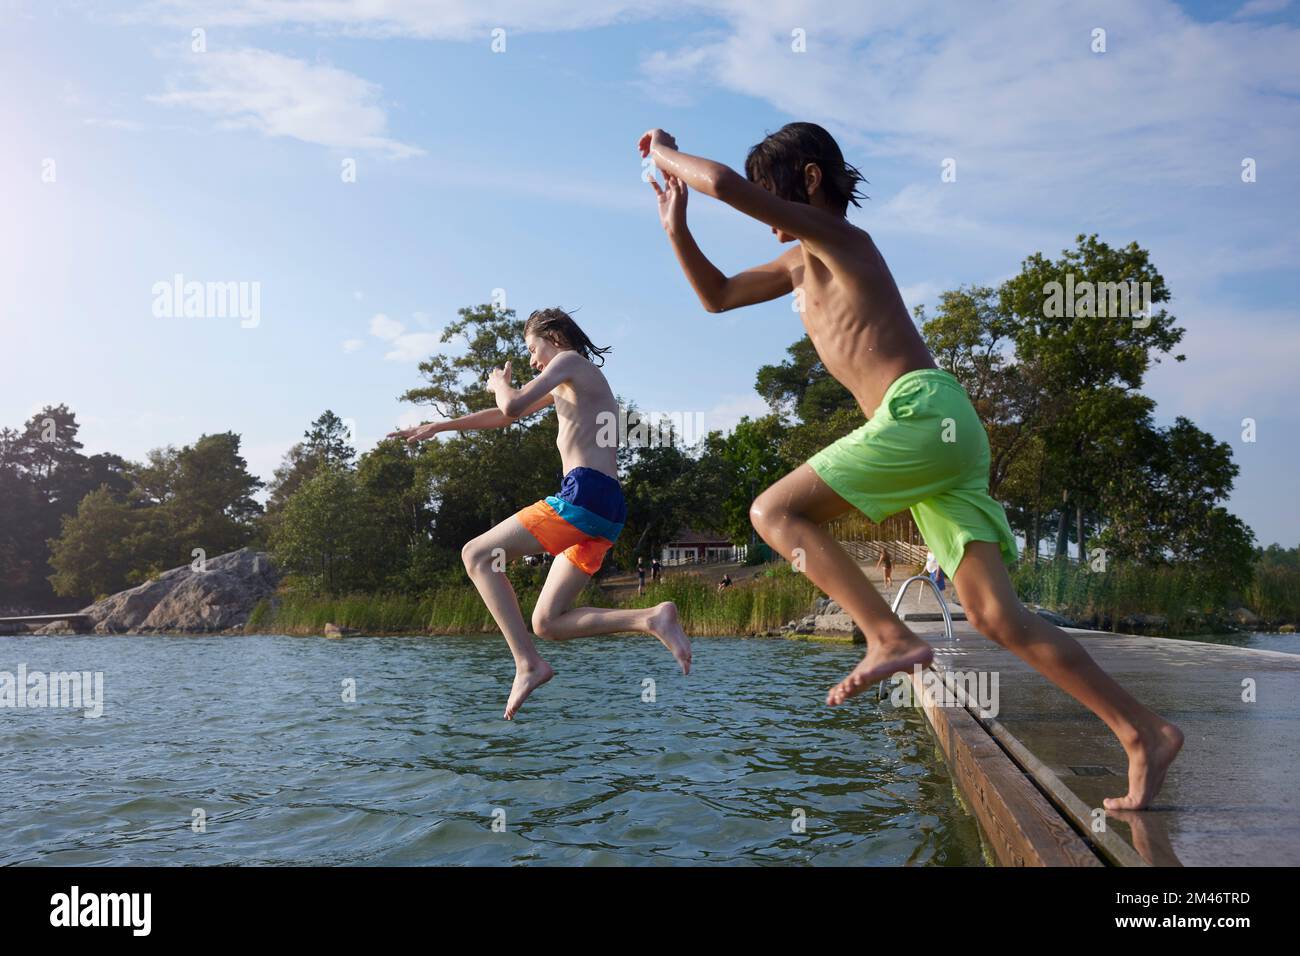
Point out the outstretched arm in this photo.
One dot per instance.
(487, 418)
(717, 292)
(721, 182)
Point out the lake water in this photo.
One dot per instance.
(1254, 640)
(254, 732)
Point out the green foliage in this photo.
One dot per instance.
(1274, 592)
(746, 608)
(1180, 593)
(321, 539)
(801, 386)
(92, 556)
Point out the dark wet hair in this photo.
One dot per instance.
(557, 326)
(782, 156)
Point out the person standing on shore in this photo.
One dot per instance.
(886, 562)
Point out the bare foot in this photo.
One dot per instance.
(527, 680)
(881, 661)
(665, 626)
(1148, 760)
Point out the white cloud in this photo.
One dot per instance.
(444, 19)
(352, 345)
(726, 414)
(281, 96)
(1260, 8)
(404, 346)
(924, 293)
(383, 327)
(109, 123)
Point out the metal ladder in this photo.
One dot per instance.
(943, 606)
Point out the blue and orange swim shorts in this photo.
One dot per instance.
(582, 522)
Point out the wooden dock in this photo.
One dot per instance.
(1034, 774)
(74, 620)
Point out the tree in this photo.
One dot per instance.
(91, 557)
(1163, 505)
(329, 440)
(321, 535)
(801, 387)
(211, 504)
(1088, 348)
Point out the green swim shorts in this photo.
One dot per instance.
(925, 448)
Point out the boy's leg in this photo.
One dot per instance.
(555, 620)
(993, 608)
(485, 560)
(789, 515)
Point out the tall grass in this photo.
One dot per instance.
(749, 607)
(1182, 594)
(1274, 594)
(764, 603)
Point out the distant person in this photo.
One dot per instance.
(725, 582)
(655, 568)
(886, 562)
(640, 576)
(933, 571)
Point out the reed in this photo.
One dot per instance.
(749, 607)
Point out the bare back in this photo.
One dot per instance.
(588, 420)
(854, 315)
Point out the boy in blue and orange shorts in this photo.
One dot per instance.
(578, 525)
(582, 522)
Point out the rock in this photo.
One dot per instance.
(1141, 623)
(1054, 618)
(218, 598)
(1286, 629)
(333, 630)
(805, 628)
(832, 607)
(1246, 617)
(55, 627)
(819, 606)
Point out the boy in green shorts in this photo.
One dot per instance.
(923, 446)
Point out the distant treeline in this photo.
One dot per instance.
(1076, 459)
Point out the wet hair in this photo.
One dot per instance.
(782, 156)
(557, 327)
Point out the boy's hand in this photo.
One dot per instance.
(672, 202)
(499, 378)
(417, 434)
(652, 138)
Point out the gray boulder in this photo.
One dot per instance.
(217, 598)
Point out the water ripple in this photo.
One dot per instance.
(256, 734)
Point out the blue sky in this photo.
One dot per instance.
(517, 170)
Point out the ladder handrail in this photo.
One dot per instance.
(943, 605)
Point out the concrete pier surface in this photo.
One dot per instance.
(1232, 798)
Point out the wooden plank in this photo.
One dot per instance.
(43, 618)
(1022, 828)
